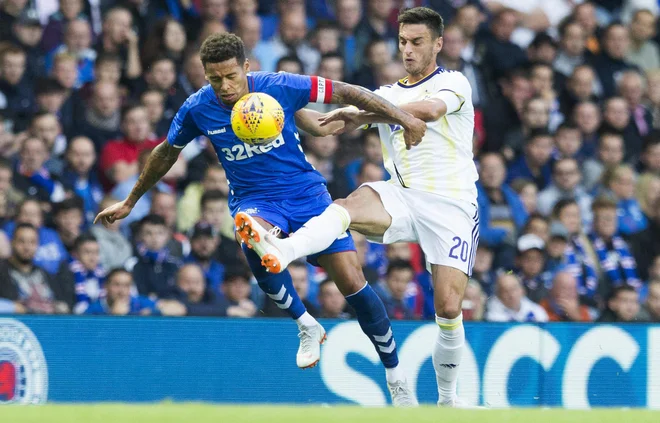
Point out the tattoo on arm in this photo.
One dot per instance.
(161, 159)
(364, 99)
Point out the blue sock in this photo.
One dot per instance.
(278, 286)
(372, 316)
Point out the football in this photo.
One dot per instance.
(257, 118)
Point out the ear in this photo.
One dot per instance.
(438, 45)
(246, 65)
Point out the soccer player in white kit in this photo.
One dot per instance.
(431, 197)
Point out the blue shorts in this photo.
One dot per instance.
(291, 214)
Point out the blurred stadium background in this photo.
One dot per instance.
(567, 94)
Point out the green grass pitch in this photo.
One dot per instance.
(203, 413)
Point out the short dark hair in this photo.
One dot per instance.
(519, 184)
(152, 219)
(237, 274)
(619, 289)
(534, 216)
(561, 205)
(47, 86)
(652, 139)
(325, 282)
(116, 271)
(290, 58)
(567, 126)
(82, 239)
(160, 58)
(610, 27)
(332, 55)
(107, 58)
(128, 108)
(213, 195)
(563, 25)
(73, 203)
(424, 16)
(398, 265)
(25, 226)
(5, 164)
(537, 133)
(222, 47)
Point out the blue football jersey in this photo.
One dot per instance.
(276, 170)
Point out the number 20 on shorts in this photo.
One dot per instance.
(463, 245)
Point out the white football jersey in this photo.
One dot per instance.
(442, 163)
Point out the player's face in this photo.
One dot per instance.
(228, 79)
(419, 47)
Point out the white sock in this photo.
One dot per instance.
(306, 320)
(319, 232)
(447, 353)
(394, 374)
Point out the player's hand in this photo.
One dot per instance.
(348, 115)
(114, 212)
(413, 131)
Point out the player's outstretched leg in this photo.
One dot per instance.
(449, 287)
(315, 236)
(279, 287)
(344, 269)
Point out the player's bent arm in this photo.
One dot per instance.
(161, 159)
(427, 110)
(364, 99)
(308, 121)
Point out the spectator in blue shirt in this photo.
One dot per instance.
(393, 291)
(236, 289)
(155, 270)
(87, 272)
(372, 153)
(203, 243)
(119, 300)
(31, 176)
(193, 292)
(51, 251)
(79, 177)
(535, 161)
(621, 181)
(68, 219)
(77, 42)
(616, 263)
(530, 263)
(501, 212)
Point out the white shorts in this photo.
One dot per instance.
(447, 230)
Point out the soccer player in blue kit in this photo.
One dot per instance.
(275, 184)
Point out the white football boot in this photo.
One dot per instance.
(402, 395)
(274, 254)
(309, 351)
(456, 402)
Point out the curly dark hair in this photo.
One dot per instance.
(424, 16)
(221, 47)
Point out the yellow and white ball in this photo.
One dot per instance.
(257, 118)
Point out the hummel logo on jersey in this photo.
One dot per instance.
(217, 131)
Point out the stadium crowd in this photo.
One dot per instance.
(567, 143)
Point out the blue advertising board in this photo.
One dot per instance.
(84, 359)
